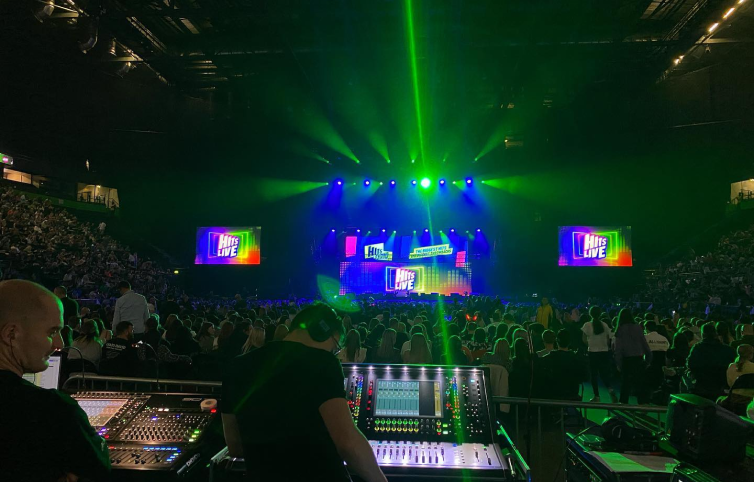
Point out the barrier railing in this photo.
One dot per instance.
(77, 381)
(542, 424)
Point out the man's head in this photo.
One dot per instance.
(508, 318)
(60, 291)
(322, 324)
(564, 339)
(124, 286)
(708, 331)
(748, 330)
(31, 318)
(545, 301)
(650, 326)
(548, 338)
(125, 330)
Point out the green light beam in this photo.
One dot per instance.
(414, 73)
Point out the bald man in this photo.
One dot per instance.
(44, 434)
(747, 337)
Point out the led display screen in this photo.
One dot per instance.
(428, 277)
(595, 246)
(228, 245)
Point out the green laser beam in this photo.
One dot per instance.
(414, 73)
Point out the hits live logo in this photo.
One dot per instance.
(225, 245)
(405, 279)
(591, 246)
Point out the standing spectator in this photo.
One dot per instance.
(548, 339)
(659, 346)
(499, 364)
(544, 313)
(632, 355)
(70, 306)
(708, 363)
(206, 337)
(521, 369)
(563, 371)
(119, 356)
(478, 346)
(168, 307)
(419, 353)
(102, 226)
(353, 352)
(386, 352)
(256, 339)
(131, 307)
(89, 343)
(456, 353)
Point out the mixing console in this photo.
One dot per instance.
(423, 419)
(150, 431)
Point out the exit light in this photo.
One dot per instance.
(6, 159)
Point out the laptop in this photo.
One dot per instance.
(50, 378)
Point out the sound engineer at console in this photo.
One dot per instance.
(44, 434)
(284, 407)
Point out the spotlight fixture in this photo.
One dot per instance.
(383, 230)
(469, 180)
(426, 230)
(332, 230)
(413, 182)
(367, 182)
(339, 182)
(90, 28)
(381, 183)
(452, 230)
(413, 161)
(478, 230)
(454, 182)
(414, 231)
(426, 182)
(392, 183)
(395, 232)
(358, 230)
(442, 182)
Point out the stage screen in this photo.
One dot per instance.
(419, 248)
(228, 245)
(403, 278)
(595, 246)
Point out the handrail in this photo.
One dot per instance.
(578, 404)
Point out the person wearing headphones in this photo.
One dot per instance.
(284, 408)
(44, 434)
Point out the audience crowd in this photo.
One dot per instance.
(533, 349)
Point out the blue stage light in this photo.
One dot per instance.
(367, 182)
(452, 230)
(413, 182)
(392, 183)
(468, 180)
(426, 182)
(339, 182)
(358, 230)
(383, 230)
(442, 182)
(332, 230)
(426, 230)
(478, 230)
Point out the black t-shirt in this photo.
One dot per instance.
(275, 393)
(70, 308)
(44, 434)
(119, 358)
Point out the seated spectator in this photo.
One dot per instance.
(105, 334)
(420, 352)
(226, 329)
(184, 343)
(708, 363)
(153, 333)
(478, 346)
(256, 339)
(548, 339)
(563, 371)
(386, 352)
(456, 354)
(280, 333)
(353, 352)
(742, 366)
(679, 352)
(747, 337)
(723, 333)
(119, 357)
(418, 328)
(89, 343)
(206, 337)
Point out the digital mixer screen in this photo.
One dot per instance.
(101, 411)
(395, 398)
